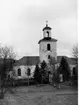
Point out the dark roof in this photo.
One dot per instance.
(71, 61)
(60, 57)
(47, 27)
(33, 60)
(47, 39)
(28, 60)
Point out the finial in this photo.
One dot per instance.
(46, 23)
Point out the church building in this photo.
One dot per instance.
(47, 45)
(47, 50)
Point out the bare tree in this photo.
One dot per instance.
(8, 57)
(7, 52)
(75, 51)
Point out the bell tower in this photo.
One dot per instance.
(47, 31)
(47, 45)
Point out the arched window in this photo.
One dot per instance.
(19, 72)
(48, 56)
(48, 33)
(48, 47)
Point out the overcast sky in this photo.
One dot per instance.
(22, 21)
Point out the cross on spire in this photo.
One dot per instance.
(46, 23)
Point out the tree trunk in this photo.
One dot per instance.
(42, 79)
(28, 80)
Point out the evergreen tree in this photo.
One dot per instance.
(43, 71)
(64, 69)
(75, 72)
(52, 61)
(37, 74)
(43, 65)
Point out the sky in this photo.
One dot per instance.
(22, 21)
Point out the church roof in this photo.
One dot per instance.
(28, 60)
(47, 27)
(71, 61)
(47, 39)
(33, 60)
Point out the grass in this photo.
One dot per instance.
(31, 95)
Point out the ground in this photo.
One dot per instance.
(41, 95)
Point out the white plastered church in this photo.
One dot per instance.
(47, 49)
(47, 45)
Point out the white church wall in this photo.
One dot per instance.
(24, 71)
(43, 53)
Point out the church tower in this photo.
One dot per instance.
(47, 45)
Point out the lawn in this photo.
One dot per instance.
(41, 95)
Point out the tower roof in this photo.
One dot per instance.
(47, 27)
(47, 39)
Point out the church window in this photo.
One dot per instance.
(48, 33)
(48, 56)
(19, 72)
(48, 46)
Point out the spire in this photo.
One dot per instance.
(46, 23)
(47, 27)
